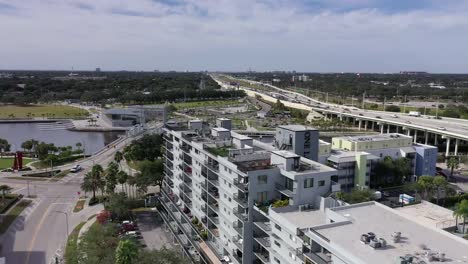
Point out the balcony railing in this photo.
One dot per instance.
(286, 191)
(241, 215)
(241, 200)
(263, 256)
(241, 185)
(263, 241)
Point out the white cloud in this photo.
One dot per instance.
(230, 35)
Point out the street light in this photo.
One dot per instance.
(66, 216)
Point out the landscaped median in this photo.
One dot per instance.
(10, 217)
(79, 205)
(71, 248)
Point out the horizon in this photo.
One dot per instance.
(234, 36)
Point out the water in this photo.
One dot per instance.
(17, 133)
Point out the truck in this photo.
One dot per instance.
(414, 113)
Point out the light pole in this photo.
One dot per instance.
(66, 217)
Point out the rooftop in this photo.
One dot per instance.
(301, 219)
(416, 239)
(285, 154)
(379, 137)
(297, 127)
(429, 214)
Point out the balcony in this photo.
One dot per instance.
(264, 256)
(263, 241)
(238, 228)
(241, 200)
(241, 185)
(214, 206)
(286, 191)
(319, 257)
(186, 148)
(264, 226)
(239, 242)
(237, 254)
(214, 166)
(241, 214)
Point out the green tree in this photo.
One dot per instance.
(98, 245)
(393, 108)
(93, 180)
(122, 177)
(111, 177)
(118, 205)
(151, 173)
(440, 183)
(452, 163)
(462, 211)
(4, 146)
(4, 189)
(44, 149)
(126, 253)
(118, 157)
(427, 184)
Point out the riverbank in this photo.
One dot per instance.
(37, 111)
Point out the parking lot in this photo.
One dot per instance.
(150, 225)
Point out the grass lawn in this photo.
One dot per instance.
(71, 249)
(79, 206)
(40, 111)
(8, 162)
(12, 214)
(134, 164)
(218, 103)
(42, 164)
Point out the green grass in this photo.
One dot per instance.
(8, 162)
(223, 152)
(61, 174)
(41, 111)
(79, 206)
(13, 214)
(71, 249)
(43, 164)
(218, 103)
(27, 178)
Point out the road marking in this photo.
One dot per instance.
(36, 231)
(19, 190)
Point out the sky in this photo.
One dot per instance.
(235, 35)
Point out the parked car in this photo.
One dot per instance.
(75, 168)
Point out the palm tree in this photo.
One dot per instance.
(426, 183)
(131, 182)
(461, 211)
(122, 178)
(111, 177)
(4, 189)
(93, 180)
(439, 183)
(118, 157)
(126, 252)
(452, 163)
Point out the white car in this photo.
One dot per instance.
(442, 128)
(75, 168)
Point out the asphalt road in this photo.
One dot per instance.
(41, 230)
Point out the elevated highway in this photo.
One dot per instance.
(450, 132)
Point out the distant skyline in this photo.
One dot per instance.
(384, 36)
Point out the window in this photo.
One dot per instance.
(262, 179)
(277, 260)
(321, 183)
(309, 183)
(277, 244)
(278, 227)
(262, 196)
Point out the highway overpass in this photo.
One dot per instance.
(450, 132)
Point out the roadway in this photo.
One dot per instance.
(41, 230)
(446, 128)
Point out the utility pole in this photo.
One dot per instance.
(385, 98)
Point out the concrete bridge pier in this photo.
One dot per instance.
(447, 150)
(415, 136)
(426, 137)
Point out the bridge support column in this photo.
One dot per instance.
(426, 137)
(415, 135)
(360, 123)
(409, 132)
(448, 147)
(372, 126)
(456, 146)
(381, 128)
(397, 128)
(435, 140)
(365, 125)
(388, 128)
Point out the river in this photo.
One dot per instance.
(57, 133)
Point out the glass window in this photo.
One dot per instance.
(321, 183)
(309, 183)
(277, 243)
(262, 196)
(262, 179)
(278, 227)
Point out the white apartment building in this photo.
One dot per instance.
(213, 180)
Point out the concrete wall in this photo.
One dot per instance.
(426, 159)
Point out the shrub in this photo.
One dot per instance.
(204, 235)
(281, 203)
(93, 201)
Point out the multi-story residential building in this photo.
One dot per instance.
(355, 157)
(361, 233)
(213, 180)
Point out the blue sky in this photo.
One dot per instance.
(235, 35)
